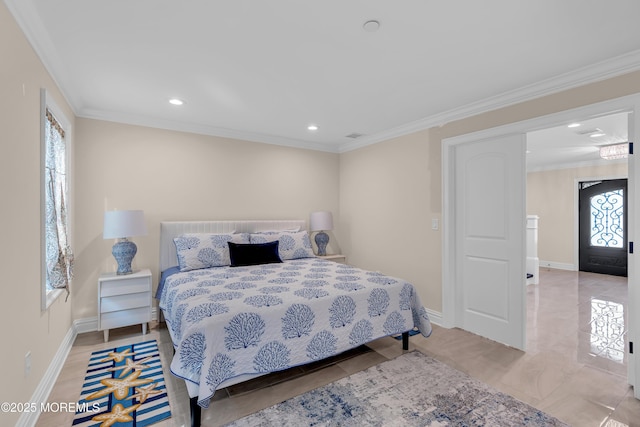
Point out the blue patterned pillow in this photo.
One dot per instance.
(205, 250)
(293, 245)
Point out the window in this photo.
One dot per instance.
(57, 257)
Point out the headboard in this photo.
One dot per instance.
(171, 229)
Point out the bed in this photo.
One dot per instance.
(245, 298)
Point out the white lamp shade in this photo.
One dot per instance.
(321, 221)
(121, 224)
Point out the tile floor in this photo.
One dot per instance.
(574, 367)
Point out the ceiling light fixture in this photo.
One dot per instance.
(371, 26)
(597, 134)
(615, 151)
(176, 101)
(574, 125)
(312, 127)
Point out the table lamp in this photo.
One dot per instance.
(121, 225)
(321, 221)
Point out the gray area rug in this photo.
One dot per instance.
(411, 390)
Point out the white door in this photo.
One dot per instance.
(490, 250)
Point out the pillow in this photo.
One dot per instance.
(253, 254)
(293, 245)
(205, 250)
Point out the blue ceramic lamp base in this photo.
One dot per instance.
(322, 239)
(123, 252)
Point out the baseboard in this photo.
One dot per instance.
(435, 317)
(41, 394)
(90, 324)
(558, 265)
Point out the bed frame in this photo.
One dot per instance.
(168, 259)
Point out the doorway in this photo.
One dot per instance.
(603, 227)
(453, 282)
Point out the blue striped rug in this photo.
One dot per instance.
(124, 387)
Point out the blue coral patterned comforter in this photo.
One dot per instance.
(230, 321)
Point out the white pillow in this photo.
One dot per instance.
(293, 245)
(205, 250)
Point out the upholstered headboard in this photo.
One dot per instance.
(171, 229)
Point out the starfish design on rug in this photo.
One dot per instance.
(119, 388)
(119, 414)
(118, 357)
(132, 365)
(143, 393)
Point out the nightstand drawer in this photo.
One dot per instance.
(124, 302)
(116, 319)
(125, 286)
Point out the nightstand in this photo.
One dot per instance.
(124, 300)
(341, 259)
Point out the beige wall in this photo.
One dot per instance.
(182, 176)
(24, 327)
(402, 178)
(389, 193)
(551, 195)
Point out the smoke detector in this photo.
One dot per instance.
(371, 26)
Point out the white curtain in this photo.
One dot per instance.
(59, 256)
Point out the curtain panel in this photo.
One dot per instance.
(59, 256)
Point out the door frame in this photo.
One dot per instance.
(631, 104)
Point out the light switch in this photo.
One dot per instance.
(435, 224)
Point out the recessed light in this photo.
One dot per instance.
(312, 127)
(595, 135)
(176, 101)
(574, 125)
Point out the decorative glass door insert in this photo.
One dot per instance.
(607, 219)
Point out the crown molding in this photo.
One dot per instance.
(599, 71)
(199, 129)
(25, 14)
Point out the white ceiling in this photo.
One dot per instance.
(564, 146)
(264, 70)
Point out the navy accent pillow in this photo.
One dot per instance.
(253, 254)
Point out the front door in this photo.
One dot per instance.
(603, 226)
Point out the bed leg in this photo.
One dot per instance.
(196, 412)
(405, 340)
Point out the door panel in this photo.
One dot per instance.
(491, 300)
(490, 238)
(603, 227)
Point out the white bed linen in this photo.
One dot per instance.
(227, 322)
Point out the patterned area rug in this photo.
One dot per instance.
(411, 390)
(124, 386)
